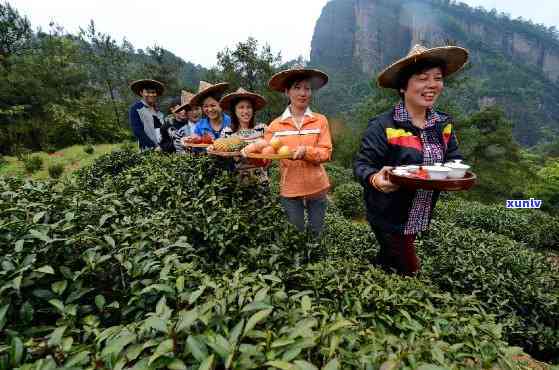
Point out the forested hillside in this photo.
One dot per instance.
(60, 89)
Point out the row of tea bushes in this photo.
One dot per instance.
(512, 281)
(535, 228)
(324, 316)
(170, 262)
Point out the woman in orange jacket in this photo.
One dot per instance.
(304, 182)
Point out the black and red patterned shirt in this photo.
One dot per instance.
(433, 152)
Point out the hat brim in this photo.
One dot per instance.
(187, 106)
(454, 57)
(214, 89)
(139, 85)
(258, 101)
(279, 81)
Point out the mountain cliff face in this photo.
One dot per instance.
(364, 36)
(373, 33)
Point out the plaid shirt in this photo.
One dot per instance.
(420, 211)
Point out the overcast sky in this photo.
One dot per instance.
(197, 29)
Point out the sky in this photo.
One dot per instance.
(196, 30)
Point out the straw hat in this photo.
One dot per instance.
(186, 97)
(453, 56)
(258, 101)
(206, 89)
(279, 81)
(139, 85)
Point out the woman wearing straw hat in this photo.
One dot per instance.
(304, 182)
(177, 125)
(144, 115)
(411, 133)
(214, 120)
(243, 105)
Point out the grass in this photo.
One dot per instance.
(72, 158)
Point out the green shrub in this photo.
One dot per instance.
(56, 170)
(513, 282)
(110, 164)
(89, 149)
(338, 175)
(50, 149)
(349, 200)
(343, 239)
(274, 178)
(129, 146)
(535, 228)
(170, 261)
(32, 164)
(3, 161)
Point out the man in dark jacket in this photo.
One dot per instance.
(144, 115)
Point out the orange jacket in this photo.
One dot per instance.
(304, 177)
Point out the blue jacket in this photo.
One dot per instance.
(204, 127)
(145, 125)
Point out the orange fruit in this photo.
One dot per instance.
(284, 150)
(275, 143)
(268, 150)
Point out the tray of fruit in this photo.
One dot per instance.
(227, 147)
(448, 177)
(274, 150)
(197, 141)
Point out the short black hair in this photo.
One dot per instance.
(216, 96)
(416, 68)
(295, 79)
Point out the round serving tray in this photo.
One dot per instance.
(224, 154)
(269, 156)
(414, 183)
(196, 145)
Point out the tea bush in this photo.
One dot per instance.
(345, 239)
(169, 262)
(349, 200)
(32, 164)
(106, 166)
(513, 282)
(56, 170)
(535, 228)
(129, 146)
(338, 175)
(89, 149)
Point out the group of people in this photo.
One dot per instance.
(412, 132)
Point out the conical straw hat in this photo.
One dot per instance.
(206, 89)
(454, 58)
(258, 101)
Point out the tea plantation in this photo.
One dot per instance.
(146, 261)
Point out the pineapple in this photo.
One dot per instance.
(228, 144)
(221, 145)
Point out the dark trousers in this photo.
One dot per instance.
(397, 252)
(295, 210)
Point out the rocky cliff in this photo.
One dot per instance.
(370, 34)
(515, 64)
